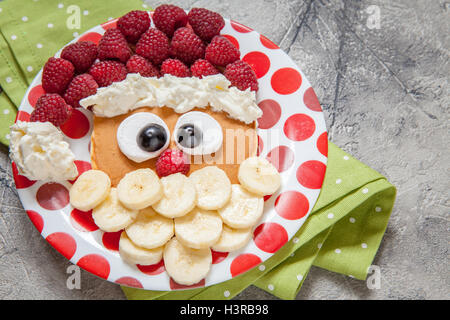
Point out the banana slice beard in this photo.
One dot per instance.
(89, 190)
(139, 189)
(179, 197)
(198, 229)
(243, 210)
(111, 215)
(232, 239)
(133, 254)
(259, 176)
(150, 230)
(185, 265)
(213, 187)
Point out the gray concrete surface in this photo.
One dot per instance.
(385, 93)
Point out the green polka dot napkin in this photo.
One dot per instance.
(344, 230)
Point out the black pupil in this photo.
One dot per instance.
(152, 138)
(189, 136)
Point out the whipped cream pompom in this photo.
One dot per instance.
(40, 152)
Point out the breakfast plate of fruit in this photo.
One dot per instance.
(170, 149)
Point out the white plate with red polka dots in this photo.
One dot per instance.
(291, 112)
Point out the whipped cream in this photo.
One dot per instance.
(40, 153)
(180, 94)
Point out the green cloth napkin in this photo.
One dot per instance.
(344, 230)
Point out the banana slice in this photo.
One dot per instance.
(133, 254)
(111, 215)
(185, 265)
(259, 176)
(213, 187)
(179, 196)
(244, 208)
(150, 230)
(90, 189)
(139, 189)
(198, 229)
(232, 239)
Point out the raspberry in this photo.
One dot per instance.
(107, 72)
(82, 55)
(203, 67)
(113, 45)
(133, 25)
(172, 161)
(81, 87)
(175, 67)
(221, 52)
(56, 75)
(205, 23)
(153, 45)
(138, 64)
(241, 75)
(169, 18)
(51, 107)
(187, 46)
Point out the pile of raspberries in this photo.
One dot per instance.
(181, 44)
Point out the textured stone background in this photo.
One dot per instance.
(385, 93)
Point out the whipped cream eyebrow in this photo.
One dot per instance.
(40, 152)
(180, 94)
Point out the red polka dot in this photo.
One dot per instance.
(22, 116)
(260, 146)
(36, 219)
(95, 264)
(153, 269)
(322, 144)
(21, 181)
(52, 196)
(110, 24)
(239, 27)
(232, 40)
(218, 256)
(243, 263)
(111, 240)
(267, 197)
(286, 81)
(63, 243)
(82, 166)
(77, 126)
(311, 101)
(91, 36)
(34, 94)
(292, 205)
(82, 220)
(267, 43)
(299, 127)
(281, 157)
(271, 113)
(310, 174)
(259, 62)
(270, 237)
(177, 286)
(129, 282)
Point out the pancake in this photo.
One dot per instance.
(240, 141)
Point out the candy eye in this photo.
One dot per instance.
(142, 136)
(198, 133)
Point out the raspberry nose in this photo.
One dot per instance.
(172, 161)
